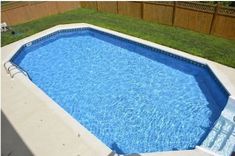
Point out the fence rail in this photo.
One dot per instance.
(205, 18)
(20, 12)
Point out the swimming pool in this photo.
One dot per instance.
(132, 97)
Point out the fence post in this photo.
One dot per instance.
(117, 8)
(173, 14)
(212, 27)
(97, 7)
(142, 10)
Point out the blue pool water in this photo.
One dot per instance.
(134, 98)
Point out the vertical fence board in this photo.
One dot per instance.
(132, 9)
(135, 10)
(39, 10)
(89, 5)
(189, 15)
(21, 12)
(5, 18)
(158, 13)
(18, 15)
(52, 8)
(193, 20)
(65, 6)
(224, 27)
(110, 7)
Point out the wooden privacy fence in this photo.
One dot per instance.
(205, 18)
(20, 12)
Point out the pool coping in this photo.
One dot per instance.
(11, 49)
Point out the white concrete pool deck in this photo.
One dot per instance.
(42, 128)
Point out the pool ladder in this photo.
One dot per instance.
(13, 69)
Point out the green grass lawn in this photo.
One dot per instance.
(210, 47)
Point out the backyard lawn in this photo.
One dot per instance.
(210, 47)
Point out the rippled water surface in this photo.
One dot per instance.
(132, 98)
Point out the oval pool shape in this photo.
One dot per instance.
(132, 97)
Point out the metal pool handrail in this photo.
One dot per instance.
(17, 67)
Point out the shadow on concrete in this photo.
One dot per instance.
(115, 154)
(11, 142)
(117, 151)
(134, 154)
